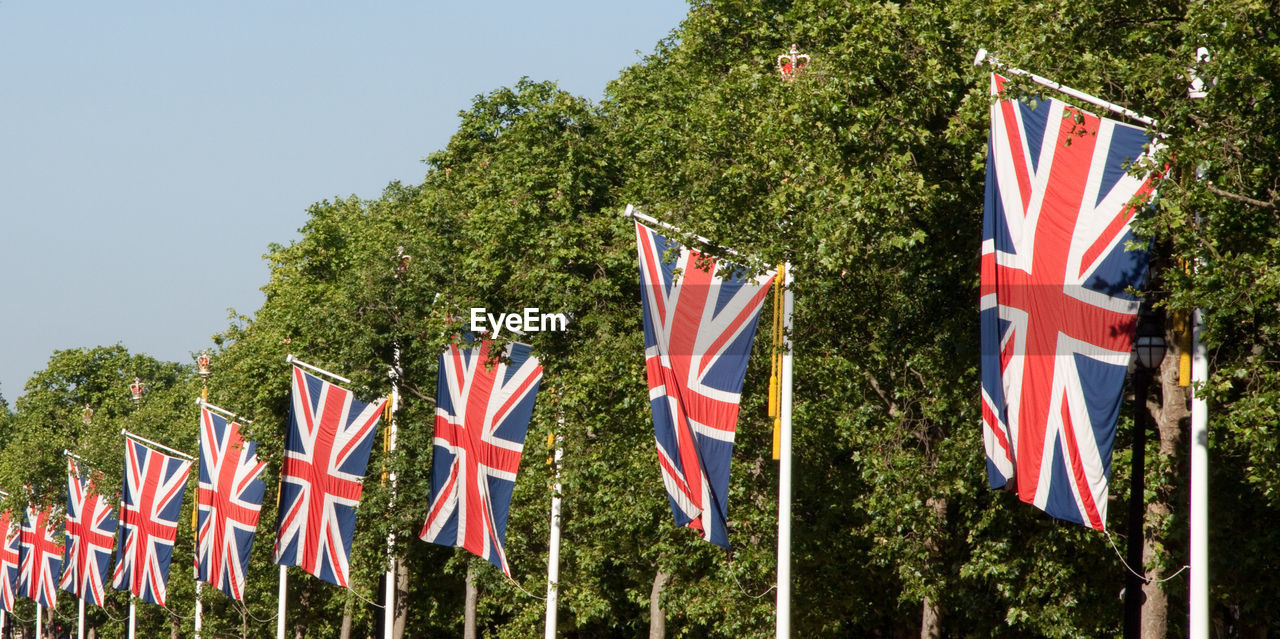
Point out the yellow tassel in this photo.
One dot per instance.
(775, 372)
(1184, 351)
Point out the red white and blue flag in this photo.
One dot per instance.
(91, 536)
(39, 557)
(9, 559)
(1057, 317)
(152, 502)
(483, 408)
(229, 502)
(326, 454)
(700, 318)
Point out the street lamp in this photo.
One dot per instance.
(1148, 351)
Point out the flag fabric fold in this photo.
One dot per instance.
(39, 557)
(10, 559)
(700, 319)
(151, 504)
(1056, 312)
(483, 408)
(229, 503)
(90, 537)
(326, 454)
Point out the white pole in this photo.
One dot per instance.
(199, 607)
(39, 618)
(553, 552)
(293, 360)
(4, 621)
(389, 606)
(784, 466)
(133, 618)
(283, 595)
(79, 619)
(1199, 551)
(983, 56)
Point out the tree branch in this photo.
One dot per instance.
(1239, 198)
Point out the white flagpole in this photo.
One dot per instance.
(79, 619)
(784, 465)
(983, 56)
(293, 360)
(389, 605)
(199, 607)
(1199, 551)
(133, 618)
(553, 552)
(39, 619)
(280, 606)
(1199, 489)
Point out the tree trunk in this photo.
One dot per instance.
(1172, 419)
(469, 617)
(402, 600)
(930, 620)
(931, 614)
(345, 632)
(304, 603)
(657, 616)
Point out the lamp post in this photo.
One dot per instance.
(1148, 350)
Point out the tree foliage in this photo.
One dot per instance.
(865, 173)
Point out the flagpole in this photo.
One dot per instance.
(39, 618)
(553, 552)
(984, 56)
(297, 362)
(1198, 551)
(389, 605)
(79, 619)
(282, 596)
(133, 617)
(784, 464)
(148, 442)
(199, 605)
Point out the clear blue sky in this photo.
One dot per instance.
(149, 151)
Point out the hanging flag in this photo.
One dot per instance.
(482, 413)
(1056, 318)
(230, 500)
(699, 321)
(152, 501)
(91, 534)
(326, 454)
(9, 559)
(39, 557)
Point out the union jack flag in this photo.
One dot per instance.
(230, 501)
(9, 560)
(699, 321)
(91, 534)
(482, 414)
(1056, 318)
(39, 557)
(152, 502)
(326, 454)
